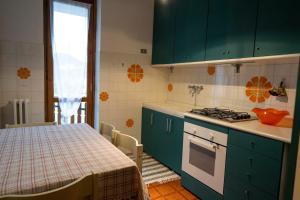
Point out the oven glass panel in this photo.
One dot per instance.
(202, 158)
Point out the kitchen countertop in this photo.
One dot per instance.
(254, 127)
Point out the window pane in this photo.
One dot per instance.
(70, 42)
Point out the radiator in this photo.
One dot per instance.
(21, 111)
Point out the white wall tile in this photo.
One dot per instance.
(14, 55)
(126, 97)
(227, 88)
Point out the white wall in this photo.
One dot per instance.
(126, 28)
(21, 20)
(127, 25)
(21, 45)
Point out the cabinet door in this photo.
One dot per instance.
(174, 141)
(163, 32)
(168, 142)
(161, 139)
(254, 169)
(191, 24)
(148, 122)
(278, 27)
(231, 29)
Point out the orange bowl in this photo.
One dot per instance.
(270, 116)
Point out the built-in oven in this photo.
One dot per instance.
(204, 155)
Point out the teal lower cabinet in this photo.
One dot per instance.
(236, 190)
(162, 137)
(199, 189)
(253, 167)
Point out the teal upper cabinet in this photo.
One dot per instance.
(191, 24)
(278, 27)
(163, 32)
(231, 29)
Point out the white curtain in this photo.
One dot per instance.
(70, 21)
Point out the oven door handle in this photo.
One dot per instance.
(210, 147)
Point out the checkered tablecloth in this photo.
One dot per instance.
(38, 159)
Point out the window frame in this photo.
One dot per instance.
(49, 87)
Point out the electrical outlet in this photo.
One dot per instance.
(144, 51)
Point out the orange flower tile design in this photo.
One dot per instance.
(211, 69)
(257, 89)
(104, 96)
(135, 73)
(170, 87)
(129, 123)
(23, 73)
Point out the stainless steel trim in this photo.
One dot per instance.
(170, 125)
(151, 119)
(167, 127)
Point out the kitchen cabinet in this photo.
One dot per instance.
(162, 137)
(278, 27)
(148, 131)
(200, 189)
(231, 29)
(163, 32)
(190, 35)
(253, 167)
(197, 30)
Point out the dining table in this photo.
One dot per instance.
(42, 158)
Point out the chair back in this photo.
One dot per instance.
(30, 124)
(80, 189)
(130, 146)
(106, 130)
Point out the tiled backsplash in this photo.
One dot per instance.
(21, 76)
(126, 81)
(223, 87)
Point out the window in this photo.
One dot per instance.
(69, 35)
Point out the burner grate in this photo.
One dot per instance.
(224, 114)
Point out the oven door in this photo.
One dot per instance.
(205, 161)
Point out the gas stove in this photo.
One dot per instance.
(224, 114)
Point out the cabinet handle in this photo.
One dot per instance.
(251, 161)
(151, 119)
(170, 125)
(249, 176)
(252, 144)
(246, 192)
(167, 128)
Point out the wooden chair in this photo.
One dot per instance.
(30, 125)
(81, 189)
(129, 146)
(107, 130)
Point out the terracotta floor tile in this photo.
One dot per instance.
(174, 196)
(164, 189)
(188, 195)
(170, 191)
(176, 185)
(153, 193)
(160, 198)
(153, 185)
